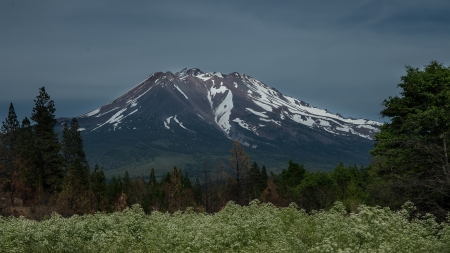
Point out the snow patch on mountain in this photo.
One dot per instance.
(181, 91)
(116, 119)
(181, 124)
(167, 122)
(223, 111)
(261, 114)
(92, 113)
(244, 125)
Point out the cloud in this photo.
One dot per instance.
(344, 56)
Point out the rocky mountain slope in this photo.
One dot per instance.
(187, 116)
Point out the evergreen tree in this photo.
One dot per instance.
(289, 179)
(411, 150)
(254, 177)
(72, 144)
(126, 182)
(48, 171)
(197, 192)
(206, 174)
(76, 192)
(263, 179)
(26, 151)
(8, 152)
(98, 180)
(186, 181)
(239, 164)
(152, 180)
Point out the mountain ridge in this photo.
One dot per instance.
(197, 107)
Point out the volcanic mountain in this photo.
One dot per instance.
(179, 119)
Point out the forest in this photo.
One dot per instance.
(45, 177)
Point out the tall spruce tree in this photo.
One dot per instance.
(8, 151)
(76, 194)
(25, 148)
(98, 180)
(72, 144)
(47, 161)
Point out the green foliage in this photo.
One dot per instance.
(316, 191)
(47, 160)
(72, 144)
(99, 189)
(254, 228)
(197, 190)
(294, 174)
(412, 150)
(76, 195)
(9, 155)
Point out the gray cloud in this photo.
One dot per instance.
(344, 56)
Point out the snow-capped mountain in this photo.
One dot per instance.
(199, 107)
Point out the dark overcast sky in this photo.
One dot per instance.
(344, 56)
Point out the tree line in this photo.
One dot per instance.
(410, 163)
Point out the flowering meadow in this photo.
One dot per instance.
(257, 227)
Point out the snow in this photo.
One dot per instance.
(89, 114)
(81, 129)
(133, 101)
(235, 84)
(201, 116)
(324, 123)
(181, 124)
(218, 74)
(241, 123)
(223, 111)
(116, 119)
(167, 122)
(270, 120)
(181, 91)
(298, 118)
(101, 114)
(264, 106)
(204, 77)
(261, 114)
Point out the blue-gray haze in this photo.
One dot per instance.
(344, 56)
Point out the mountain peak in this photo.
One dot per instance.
(189, 72)
(192, 108)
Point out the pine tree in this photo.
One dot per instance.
(76, 191)
(126, 186)
(263, 179)
(206, 174)
(8, 151)
(239, 163)
(98, 180)
(254, 178)
(26, 151)
(197, 192)
(72, 144)
(47, 160)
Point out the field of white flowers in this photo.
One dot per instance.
(254, 228)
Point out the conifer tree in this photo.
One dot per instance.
(47, 160)
(98, 180)
(197, 192)
(76, 191)
(206, 174)
(26, 151)
(264, 178)
(254, 177)
(239, 164)
(8, 151)
(72, 144)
